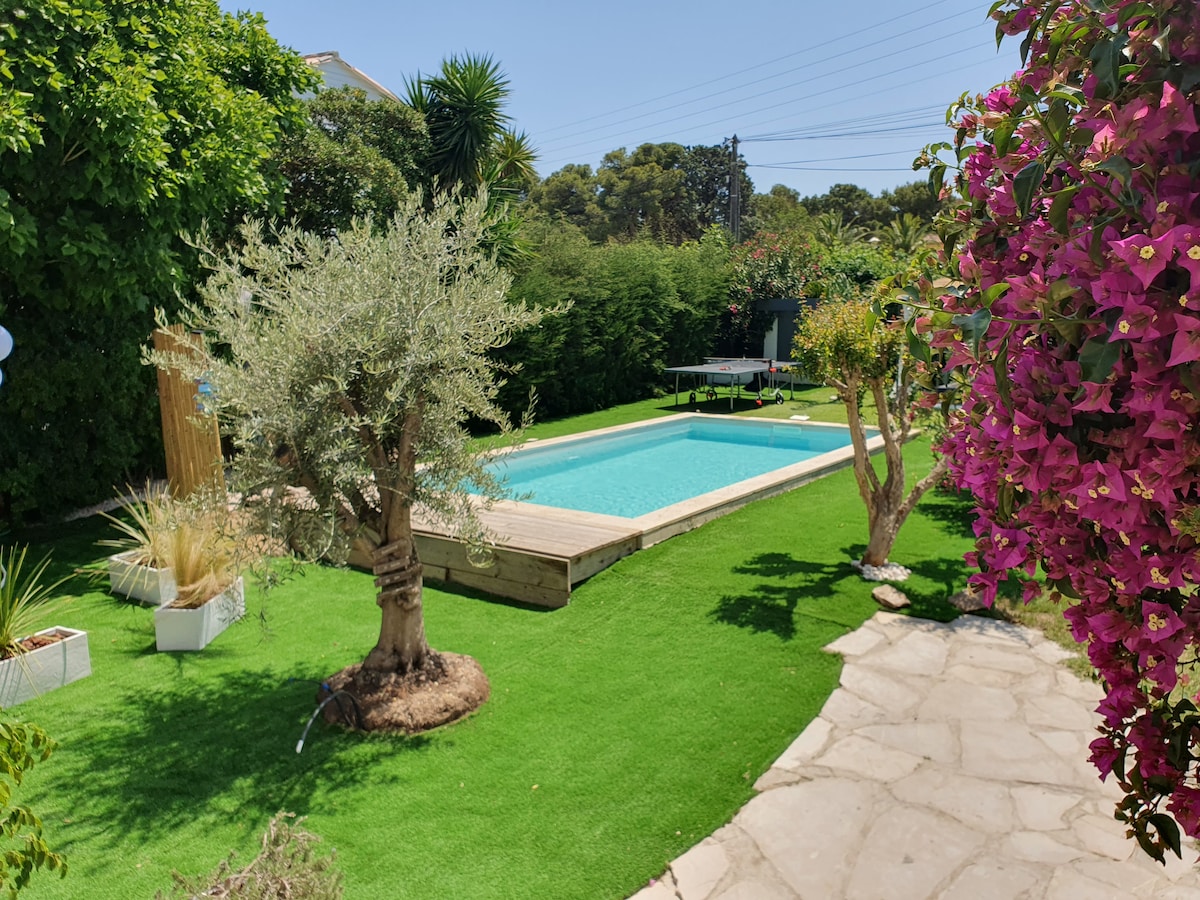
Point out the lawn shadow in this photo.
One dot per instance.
(193, 746)
(954, 511)
(950, 575)
(771, 605)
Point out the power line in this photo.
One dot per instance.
(724, 122)
(887, 39)
(770, 62)
(891, 118)
(822, 169)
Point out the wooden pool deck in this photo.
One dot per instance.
(539, 553)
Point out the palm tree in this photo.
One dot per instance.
(463, 110)
(904, 234)
(472, 150)
(832, 230)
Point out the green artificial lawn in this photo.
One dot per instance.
(621, 730)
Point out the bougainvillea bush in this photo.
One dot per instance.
(767, 267)
(1080, 199)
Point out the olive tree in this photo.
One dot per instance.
(346, 370)
(846, 345)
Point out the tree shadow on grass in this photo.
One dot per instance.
(167, 758)
(786, 583)
(950, 575)
(954, 511)
(771, 605)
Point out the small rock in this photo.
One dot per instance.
(967, 601)
(892, 598)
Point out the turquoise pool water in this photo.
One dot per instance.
(634, 472)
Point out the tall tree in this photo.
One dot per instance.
(472, 149)
(852, 204)
(355, 157)
(463, 106)
(572, 195)
(706, 171)
(121, 126)
(641, 193)
(914, 199)
(365, 410)
(779, 210)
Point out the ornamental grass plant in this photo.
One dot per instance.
(26, 598)
(196, 537)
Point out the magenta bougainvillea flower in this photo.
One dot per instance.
(1080, 183)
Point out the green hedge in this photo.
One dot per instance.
(634, 309)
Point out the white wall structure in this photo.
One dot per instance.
(336, 73)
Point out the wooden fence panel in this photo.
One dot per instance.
(191, 438)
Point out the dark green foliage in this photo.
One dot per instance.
(915, 198)
(854, 204)
(356, 157)
(79, 409)
(778, 210)
(635, 309)
(665, 192)
(855, 265)
(121, 126)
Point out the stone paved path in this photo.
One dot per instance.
(950, 763)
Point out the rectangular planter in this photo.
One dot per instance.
(194, 629)
(147, 585)
(46, 668)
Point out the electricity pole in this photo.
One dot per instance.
(735, 194)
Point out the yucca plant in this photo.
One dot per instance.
(25, 599)
(147, 529)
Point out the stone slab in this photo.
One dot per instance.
(909, 852)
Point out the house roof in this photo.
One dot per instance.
(336, 73)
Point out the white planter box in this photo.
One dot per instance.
(194, 629)
(46, 668)
(152, 587)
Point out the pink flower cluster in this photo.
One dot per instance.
(1081, 436)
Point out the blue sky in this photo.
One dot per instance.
(819, 93)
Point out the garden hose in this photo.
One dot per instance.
(335, 695)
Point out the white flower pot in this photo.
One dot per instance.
(46, 668)
(194, 629)
(149, 586)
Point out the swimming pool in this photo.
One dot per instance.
(545, 544)
(637, 470)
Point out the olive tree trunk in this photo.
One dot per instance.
(397, 568)
(401, 646)
(888, 506)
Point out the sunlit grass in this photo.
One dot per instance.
(621, 730)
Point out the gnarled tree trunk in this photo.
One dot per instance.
(886, 502)
(401, 647)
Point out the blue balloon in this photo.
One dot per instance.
(6, 342)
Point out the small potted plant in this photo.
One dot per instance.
(141, 569)
(205, 554)
(33, 662)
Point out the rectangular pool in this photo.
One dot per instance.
(636, 470)
(600, 496)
